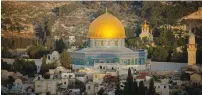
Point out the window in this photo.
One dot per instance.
(38, 85)
(70, 76)
(164, 86)
(88, 87)
(49, 57)
(100, 67)
(38, 78)
(65, 76)
(64, 82)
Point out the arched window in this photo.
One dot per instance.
(100, 67)
(49, 57)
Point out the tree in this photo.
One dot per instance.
(36, 51)
(5, 53)
(160, 54)
(65, 60)
(5, 66)
(44, 68)
(118, 90)
(60, 45)
(135, 88)
(10, 81)
(130, 33)
(151, 90)
(141, 88)
(25, 67)
(101, 92)
(128, 89)
(138, 29)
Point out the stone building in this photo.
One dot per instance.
(53, 57)
(162, 89)
(44, 86)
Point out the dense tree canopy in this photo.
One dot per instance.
(60, 45)
(65, 60)
(37, 51)
(25, 67)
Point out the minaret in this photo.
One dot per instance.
(191, 48)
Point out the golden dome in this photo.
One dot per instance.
(106, 26)
(145, 24)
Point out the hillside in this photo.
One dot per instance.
(18, 17)
(31, 20)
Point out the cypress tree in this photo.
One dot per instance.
(118, 90)
(141, 89)
(151, 90)
(65, 60)
(128, 89)
(135, 88)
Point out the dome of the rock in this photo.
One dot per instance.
(106, 26)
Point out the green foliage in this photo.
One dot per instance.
(101, 92)
(118, 91)
(151, 90)
(9, 81)
(60, 45)
(138, 29)
(65, 60)
(128, 88)
(25, 67)
(135, 88)
(141, 89)
(36, 51)
(160, 53)
(6, 66)
(45, 67)
(130, 33)
(159, 13)
(14, 43)
(5, 53)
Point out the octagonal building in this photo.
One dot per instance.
(106, 44)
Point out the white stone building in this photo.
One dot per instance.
(83, 77)
(162, 89)
(53, 57)
(44, 86)
(72, 39)
(90, 88)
